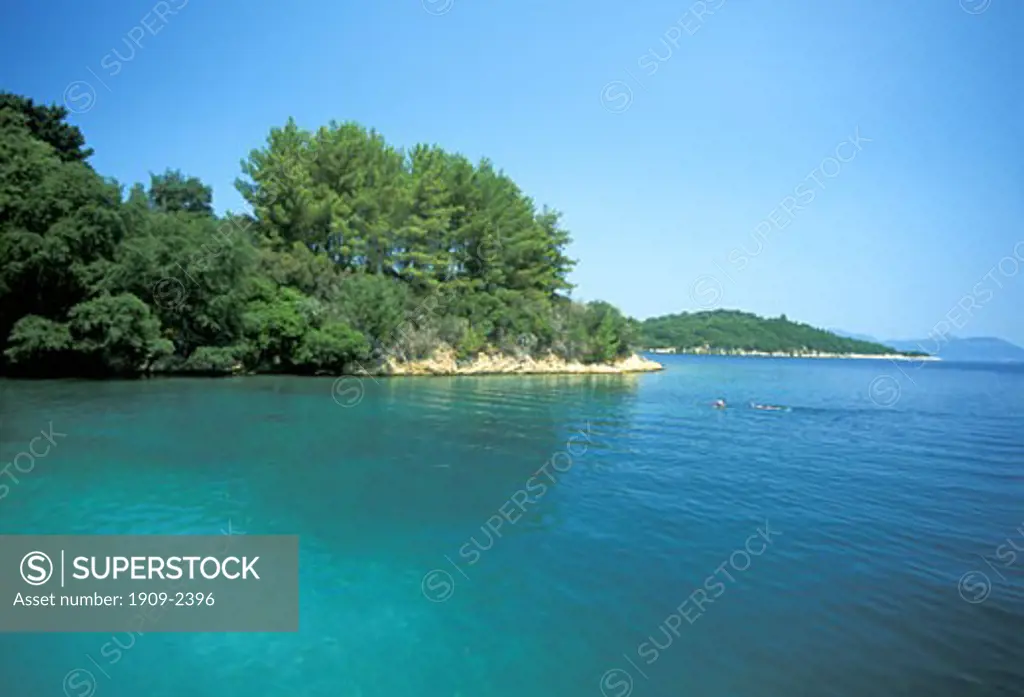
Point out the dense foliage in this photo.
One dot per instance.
(731, 330)
(354, 252)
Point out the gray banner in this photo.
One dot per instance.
(155, 583)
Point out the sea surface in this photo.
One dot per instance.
(860, 543)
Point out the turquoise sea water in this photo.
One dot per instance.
(860, 544)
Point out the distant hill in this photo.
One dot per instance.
(858, 337)
(982, 349)
(732, 330)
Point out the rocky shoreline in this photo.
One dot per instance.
(445, 362)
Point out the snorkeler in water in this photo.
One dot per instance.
(768, 407)
(718, 404)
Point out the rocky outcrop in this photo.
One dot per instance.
(445, 362)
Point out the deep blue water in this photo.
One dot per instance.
(858, 544)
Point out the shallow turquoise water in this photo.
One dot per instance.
(628, 574)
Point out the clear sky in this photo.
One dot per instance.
(851, 164)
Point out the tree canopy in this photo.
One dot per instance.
(354, 251)
(47, 124)
(732, 330)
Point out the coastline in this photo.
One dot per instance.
(444, 362)
(803, 354)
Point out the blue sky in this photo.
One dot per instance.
(674, 136)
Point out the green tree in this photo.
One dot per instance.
(423, 245)
(331, 348)
(117, 334)
(274, 325)
(60, 224)
(173, 192)
(39, 346)
(46, 123)
(354, 251)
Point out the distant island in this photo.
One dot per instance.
(358, 257)
(731, 332)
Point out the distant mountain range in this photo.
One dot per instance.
(982, 349)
